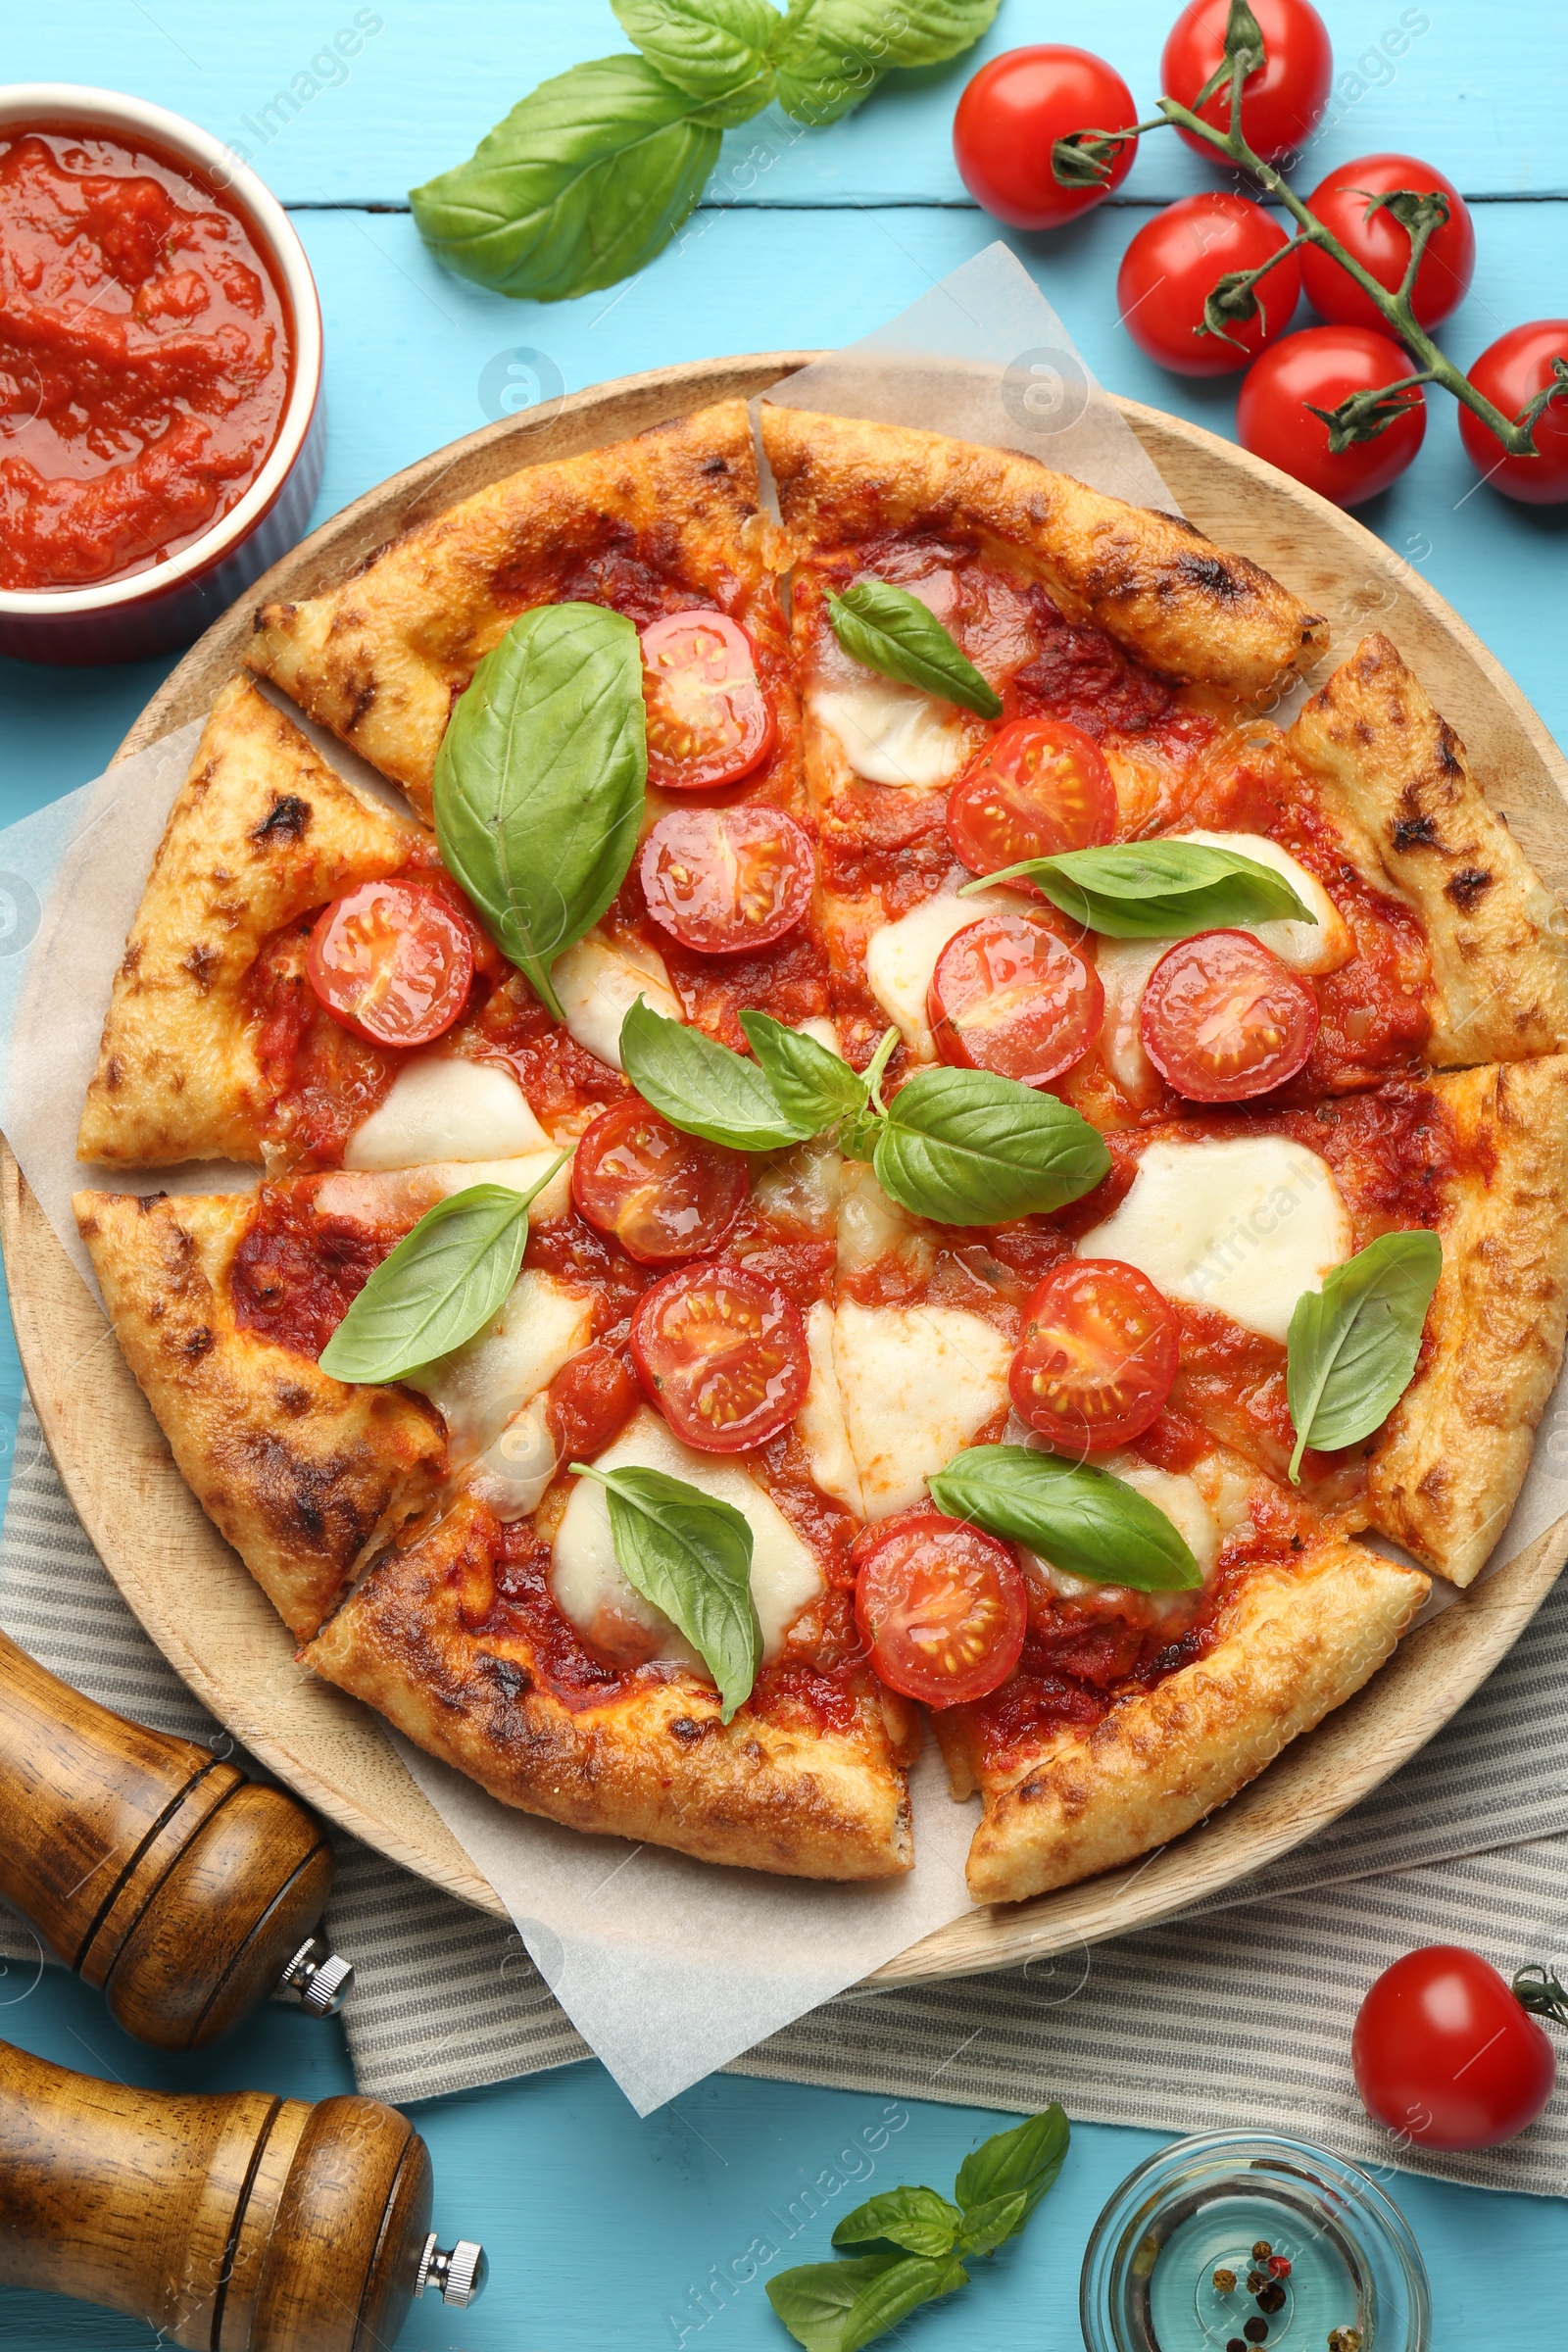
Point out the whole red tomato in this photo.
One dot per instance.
(1510, 373)
(1378, 242)
(1281, 105)
(1317, 370)
(1014, 110)
(1446, 2054)
(1176, 260)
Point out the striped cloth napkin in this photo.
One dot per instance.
(1236, 2013)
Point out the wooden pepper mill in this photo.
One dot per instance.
(155, 1869)
(236, 2224)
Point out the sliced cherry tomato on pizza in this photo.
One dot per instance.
(1010, 995)
(940, 1607)
(1038, 788)
(1346, 202)
(659, 1194)
(1098, 1358)
(1281, 103)
(392, 962)
(723, 1355)
(709, 720)
(725, 880)
(1224, 1019)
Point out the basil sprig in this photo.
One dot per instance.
(893, 633)
(1158, 889)
(1084, 1521)
(442, 1283)
(1351, 1346)
(540, 781)
(592, 173)
(691, 1556)
(926, 2240)
(961, 1147)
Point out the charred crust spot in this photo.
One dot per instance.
(273, 616)
(1415, 833)
(292, 1399)
(147, 1202)
(687, 1732)
(131, 962)
(196, 1343)
(361, 705)
(113, 1072)
(511, 1681)
(1468, 886)
(1211, 577)
(1450, 757)
(203, 963)
(286, 821)
(713, 465)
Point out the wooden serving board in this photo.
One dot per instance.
(193, 1594)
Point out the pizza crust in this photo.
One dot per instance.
(1298, 1641)
(262, 831)
(423, 1639)
(1395, 777)
(1448, 1462)
(300, 1473)
(1150, 581)
(381, 660)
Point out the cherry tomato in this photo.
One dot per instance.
(1377, 241)
(724, 880)
(1445, 2053)
(661, 1194)
(1223, 1019)
(940, 1607)
(1175, 262)
(1280, 105)
(1010, 995)
(1510, 373)
(589, 1402)
(722, 1355)
(709, 720)
(1098, 1358)
(1317, 370)
(1011, 114)
(392, 962)
(1038, 788)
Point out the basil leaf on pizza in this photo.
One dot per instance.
(892, 632)
(443, 1282)
(705, 1088)
(691, 1556)
(967, 1147)
(812, 1085)
(540, 781)
(1084, 1521)
(1158, 889)
(838, 2306)
(718, 51)
(1352, 1345)
(916, 2219)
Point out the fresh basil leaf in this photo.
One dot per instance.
(1158, 889)
(1351, 1346)
(715, 50)
(967, 1147)
(442, 1283)
(585, 180)
(540, 781)
(989, 2225)
(839, 2306)
(1023, 2162)
(832, 53)
(916, 2219)
(813, 1085)
(1081, 1519)
(703, 1088)
(893, 633)
(691, 1556)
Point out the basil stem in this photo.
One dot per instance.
(691, 1556)
(1158, 889)
(1084, 1521)
(1352, 1345)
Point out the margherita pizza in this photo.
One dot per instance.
(896, 1148)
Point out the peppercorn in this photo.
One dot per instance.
(1271, 2298)
(1256, 2331)
(1225, 2283)
(1279, 2266)
(1237, 2343)
(1262, 2250)
(1255, 2279)
(1345, 2339)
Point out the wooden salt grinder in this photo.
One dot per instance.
(235, 2224)
(156, 1869)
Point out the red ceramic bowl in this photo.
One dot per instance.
(172, 602)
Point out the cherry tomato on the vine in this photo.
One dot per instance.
(1098, 1358)
(1174, 264)
(1282, 104)
(1008, 996)
(1343, 203)
(1040, 786)
(709, 719)
(662, 1195)
(1015, 107)
(942, 1608)
(723, 1355)
(1317, 369)
(1445, 2052)
(1510, 373)
(1224, 1019)
(725, 880)
(393, 961)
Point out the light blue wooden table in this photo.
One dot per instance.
(600, 2225)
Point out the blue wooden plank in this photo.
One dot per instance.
(1472, 89)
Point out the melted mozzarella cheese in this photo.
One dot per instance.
(1124, 967)
(371, 1197)
(512, 1474)
(916, 1384)
(818, 1025)
(893, 734)
(901, 957)
(592, 1589)
(480, 1386)
(872, 1226)
(599, 984)
(1320, 946)
(1243, 1223)
(1185, 1506)
(819, 1424)
(444, 1106)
